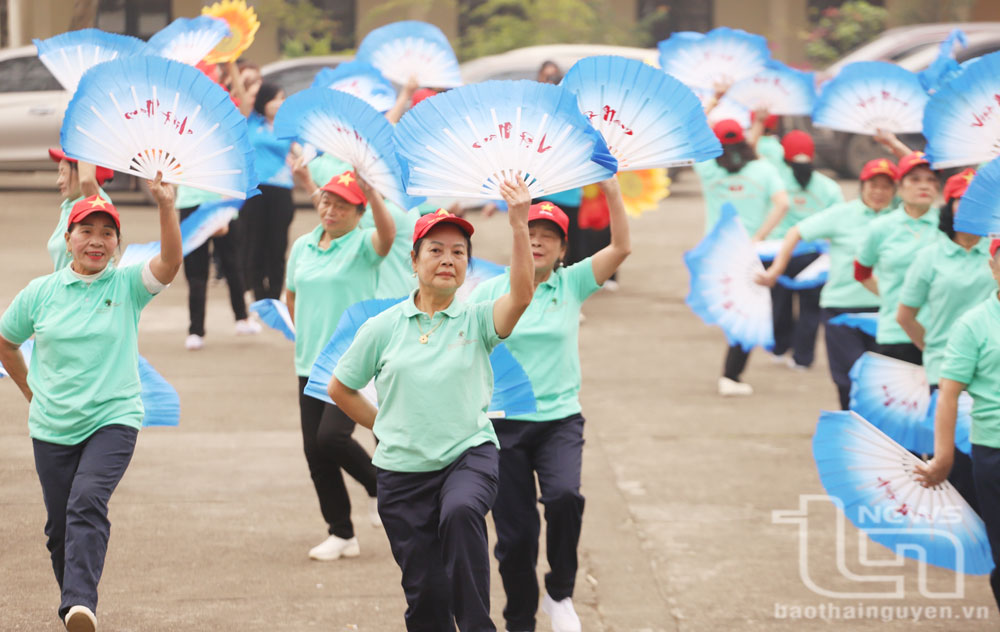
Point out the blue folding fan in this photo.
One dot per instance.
(892, 394)
(721, 56)
(274, 314)
(147, 114)
(354, 316)
(868, 96)
(464, 142)
(648, 119)
(69, 55)
(944, 68)
(979, 212)
(159, 398)
(963, 426)
(778, 89)
(512, 392)
(812, 276)
(724, 292)
(361, 80)
(962, 119)
(346, 127)
(768, 249)
(196, 229)
(873, 479)
(411, 49)
(26, 348)
(188, 40)
(866, 322)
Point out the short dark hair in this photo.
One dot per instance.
(946, 218)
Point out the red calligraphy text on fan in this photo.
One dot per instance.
(771, 82)
(504, 132)
(908, 405)
(984, 115)
(903, 509)
(150, 110)
(885, 96)
(608, 114)
(349, 131)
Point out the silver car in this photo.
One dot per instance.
(32, 104)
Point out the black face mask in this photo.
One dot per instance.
(803, 172)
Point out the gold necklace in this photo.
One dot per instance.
(424, 337)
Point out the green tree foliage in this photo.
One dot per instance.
(495, 26)
(303, 28)
(838, 30)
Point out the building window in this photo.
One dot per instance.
(4, 25)
(141, 18)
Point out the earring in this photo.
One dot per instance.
(414, 275)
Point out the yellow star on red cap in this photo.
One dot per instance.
(547, 207)
(345, 178)
(884, 164)
(969, 176)
(98, 202)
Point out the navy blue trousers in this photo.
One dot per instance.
(844, 345)
(552, 450)
(986, 473)
(795, 329)
(436, 525)
(77, 483)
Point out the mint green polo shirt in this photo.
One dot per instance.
(889, 247)
(84, 369)
(822, 193)
(432, 398)
(326, 282)
(190, 197)
(943, 282)
(545, 340)
(394, 277)
(769, 148)
(57, 242)
(972, 357)
(749, 191)
(844, 225)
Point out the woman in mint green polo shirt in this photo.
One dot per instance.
(890, 246)
(549, 442)
(972, 363)
(755, 188)
(76, 180)
(83, 384)
(437, 458)
(329, 269)
(844, 226)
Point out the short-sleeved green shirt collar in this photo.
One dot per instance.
(410, 308)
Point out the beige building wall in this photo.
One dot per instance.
(780, 21)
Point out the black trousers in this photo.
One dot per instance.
(265, 219)
(77, 483)
(906, 351)
(795, 326)
(844, 345)
(986, 473)
(436, 525)
(330, 451)
(226, 250)
(554, 451)
(736, 362)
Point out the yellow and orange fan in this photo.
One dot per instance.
(642, 191)
(243, 25)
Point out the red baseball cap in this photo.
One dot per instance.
(799, 146)
(956, 185)
(878, 167)
(728, 131)
(346, 186)
(421, 94)
(440, 216)
(770, 122)
(909, 162)
(93, 204)
(551, 212)
(103, 173)
(994, 246)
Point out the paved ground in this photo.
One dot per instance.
(213, 520)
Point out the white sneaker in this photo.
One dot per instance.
(732, 388)
(561, 612)
(334, 548)
(247, 327)
(795, 366)
(194, 342)
(81, 619)
(373, 516)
